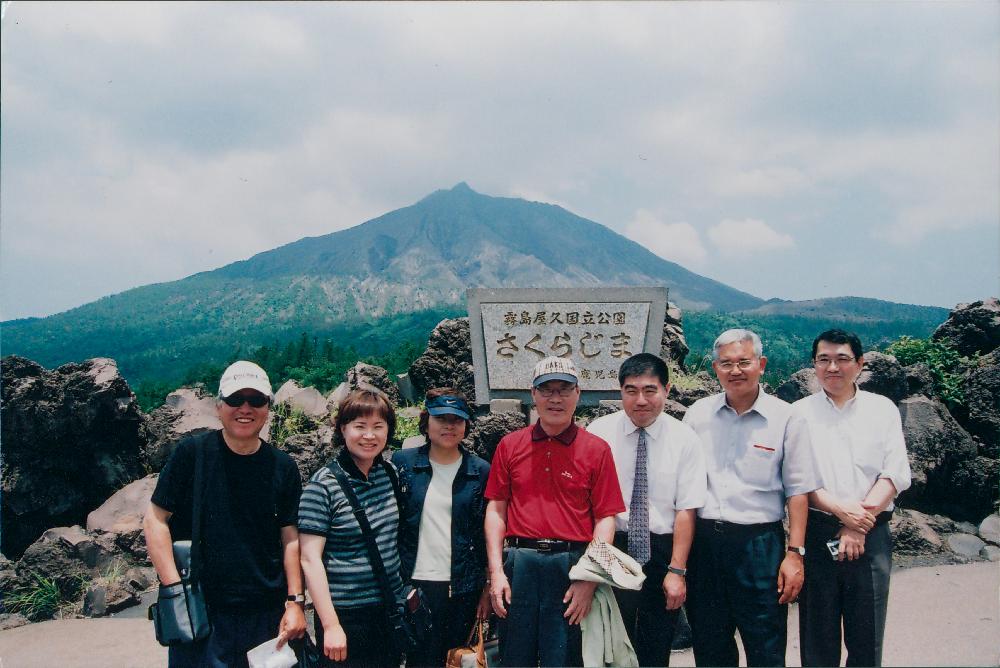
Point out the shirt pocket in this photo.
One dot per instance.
(757, 466)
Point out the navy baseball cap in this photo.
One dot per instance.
(449, 405)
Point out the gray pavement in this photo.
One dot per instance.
(938, 616)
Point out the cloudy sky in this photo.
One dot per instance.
(794, 150)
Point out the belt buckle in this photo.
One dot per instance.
(545, 545)
(718, 526)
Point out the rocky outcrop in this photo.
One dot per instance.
(71, 437)
(937, 445)
(186, 412)
(362, 374)
(972, 328)
(308, 400)
(673, 345)
(980, 413)
(799, 385)
(310, 450)
(123, 512)
(488, 429)
(694, 387)
(918, 380)
(447, 360)
(882, 374)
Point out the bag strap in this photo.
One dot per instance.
(199, 475)
(374, 556)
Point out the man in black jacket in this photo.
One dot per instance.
(250, 569)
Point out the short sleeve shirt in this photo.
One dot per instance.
(325, 511)
(754, 461)
(674, 463)
(556, 487)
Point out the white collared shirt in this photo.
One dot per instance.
(855, 445)
(754, 461)
(674, 464)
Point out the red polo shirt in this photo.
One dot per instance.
(556, 487)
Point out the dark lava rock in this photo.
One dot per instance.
(694, 387)
(799, 385)
(972, 328)
(71, 437)
(882, 374)
(311, 450)
(488, 429)
(673, 345)
(918, 380)
(362, 374)
(447, 361)
(981, 411)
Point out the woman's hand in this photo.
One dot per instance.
(485, 607)
(335, 642)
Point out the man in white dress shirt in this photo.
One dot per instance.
(662, 478)
(860, 454)
(758, 458)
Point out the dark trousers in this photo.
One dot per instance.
(369, 638)
(452, 618)
(234, 633)
(535, 633)
(732, 585)
(649, 624)
(854, 593)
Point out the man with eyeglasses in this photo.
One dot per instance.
(250, 571)
(758, 460)
(552, 488)
(662, 471)
(860, 454)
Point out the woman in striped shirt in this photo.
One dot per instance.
(352, 625)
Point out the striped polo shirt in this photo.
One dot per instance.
(325, 511)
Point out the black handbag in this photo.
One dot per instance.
(306, 653)
(180, 615)
(410, 619)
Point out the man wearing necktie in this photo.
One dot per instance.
(661, 471)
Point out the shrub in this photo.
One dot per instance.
(944, 362)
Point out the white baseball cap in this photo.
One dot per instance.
(244, 375)
(555, 368)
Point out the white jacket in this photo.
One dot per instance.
(605, 640)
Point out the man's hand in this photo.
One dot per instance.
(791, 574)
(500, 593)
(856, 517)
(484, 606)
(293, 624)
(674, 590)
(579, 596)
(335, 642)
(852, 544)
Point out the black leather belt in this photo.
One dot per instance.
(546, 545)
(732, 528)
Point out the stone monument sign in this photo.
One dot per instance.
(598, 328)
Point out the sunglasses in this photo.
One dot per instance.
(255, 400)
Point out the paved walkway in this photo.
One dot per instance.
(938, 616)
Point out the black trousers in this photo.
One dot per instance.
(234, 633)
(732, 585)
(369, 638)
(452, 618)
(853, 593)
(649, 624)
(535, 633)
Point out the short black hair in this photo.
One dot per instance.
(839, 336)
(642, 364)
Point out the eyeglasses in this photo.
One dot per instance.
(742, 364)
(255, 400)
(549, 392)
(841, 360)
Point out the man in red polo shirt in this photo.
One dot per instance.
(552, 488)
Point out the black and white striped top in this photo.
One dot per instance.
(325, 511)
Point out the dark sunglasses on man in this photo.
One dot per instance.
(256, 400)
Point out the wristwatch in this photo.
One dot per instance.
(296, 598)
(677, 571)
(800, 550)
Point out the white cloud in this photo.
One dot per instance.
(738, 237)
(678, 242)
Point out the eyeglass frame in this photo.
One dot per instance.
(563, 392)
(841, 360)
(742, 365)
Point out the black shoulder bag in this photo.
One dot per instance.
(410, 619)
(179, 615)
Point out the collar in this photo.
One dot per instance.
(653, 430)
(351, 469)
(566, 437)
(423, 459)
(847, 405)
(759, 406)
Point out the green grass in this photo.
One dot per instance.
(44, 597)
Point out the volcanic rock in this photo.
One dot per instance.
(972, 328)
(186, 412)
(362, 374)
(447, 361)
(882, 374)
(673, 345)
(799, 385)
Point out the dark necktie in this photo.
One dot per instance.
(638, 511)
